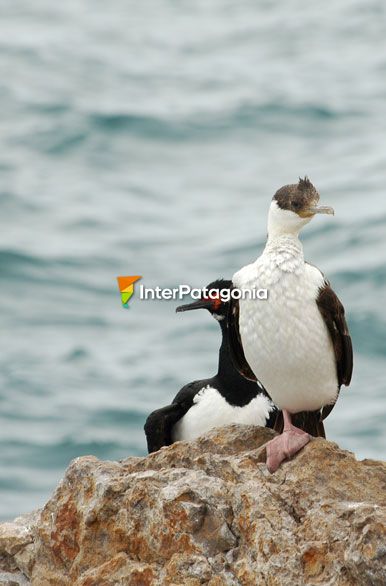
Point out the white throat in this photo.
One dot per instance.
(284, 222)
(283, 248)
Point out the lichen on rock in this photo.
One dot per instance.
(207, 512)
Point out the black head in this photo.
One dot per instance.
(215, 298)
(301, 198)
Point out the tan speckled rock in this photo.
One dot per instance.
(208, 512)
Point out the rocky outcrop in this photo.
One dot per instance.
(207, 512)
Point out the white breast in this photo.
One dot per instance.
(210, 410)
(285, 339)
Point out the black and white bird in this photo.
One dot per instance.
(297, 340)
(228, 397)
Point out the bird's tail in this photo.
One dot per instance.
(309, 421)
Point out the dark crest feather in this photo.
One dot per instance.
(305, 184)
(296, 197)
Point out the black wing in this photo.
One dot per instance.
(333, 314)
(332, 311)
(235, 345)
(159, 425)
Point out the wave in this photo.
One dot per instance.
(71, 129)
(57, 455)
(367, 330)
(58, 272)
(12, 261)
(266, 116)
(374, 275)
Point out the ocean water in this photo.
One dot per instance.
(148, 138)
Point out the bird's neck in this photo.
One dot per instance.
(226, 370)
(284, 242)
(284, 252)
(284, 223)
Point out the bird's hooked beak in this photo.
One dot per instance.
(199, 304)
(321, 210)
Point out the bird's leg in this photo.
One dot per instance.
(285, 445)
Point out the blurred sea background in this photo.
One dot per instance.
(148, 138)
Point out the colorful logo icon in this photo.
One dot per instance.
(126, 287)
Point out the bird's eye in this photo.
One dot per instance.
(296, 205)
(216, 304)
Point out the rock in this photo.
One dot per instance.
(13, 579)
(208, 512)
(16, 550)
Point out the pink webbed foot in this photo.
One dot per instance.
(285, 446)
